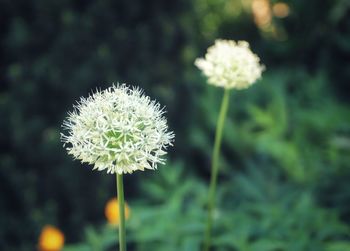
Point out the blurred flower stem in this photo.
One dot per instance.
(120, 194)
(215, 168)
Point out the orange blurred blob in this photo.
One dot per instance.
(262, 12)
(51, 239)
(281, 10)
(112, 211)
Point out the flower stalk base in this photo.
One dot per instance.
(215, 168)
(120, 194)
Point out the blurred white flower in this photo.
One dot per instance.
(230, 64)
(118, 129)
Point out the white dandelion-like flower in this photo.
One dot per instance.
(230, 64)
(118, 129)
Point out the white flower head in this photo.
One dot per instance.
(118, 129)
(230, 64)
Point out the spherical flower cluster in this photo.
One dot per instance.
(118, 129)
(230, 64)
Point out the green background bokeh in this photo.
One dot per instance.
(286, 149)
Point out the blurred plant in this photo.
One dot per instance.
(229, 65)
(169, 216)
(281, 122)
(281, 10)
(51, 239)
(258, 211)
(121, 130)
(273, 214)
(112, 212)
(264, 12)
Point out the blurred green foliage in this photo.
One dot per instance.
(257, 211)
(282, 124)
(286, 153)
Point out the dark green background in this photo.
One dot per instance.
(287, 137)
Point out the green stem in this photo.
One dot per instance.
(120, 194)
(215, 168)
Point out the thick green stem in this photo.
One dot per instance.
(215, 168)
(120, 194)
